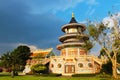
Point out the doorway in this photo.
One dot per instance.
(69, 68)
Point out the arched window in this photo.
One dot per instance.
(90, 65)
(59, 65)
(80, 65)
(52, 65)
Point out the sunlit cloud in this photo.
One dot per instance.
(32, 47)
(109, 21)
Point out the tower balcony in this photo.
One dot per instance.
(74, 25)
(72, 44)
(74, 37)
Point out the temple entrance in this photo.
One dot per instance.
(69, 68)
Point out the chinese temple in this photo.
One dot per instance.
(40, 56)
(74, 58)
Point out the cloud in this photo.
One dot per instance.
(32, 47)
(52, 6)
(19, 25)
(4, 47)
(92, 2)
(116, 7)
(90, 11)
(109, 21)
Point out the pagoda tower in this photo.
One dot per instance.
(73, 57)
(73, 40)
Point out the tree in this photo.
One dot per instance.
(19, 57)
(107, 68)
(16, 58)
(88, 45)
(109, 38)
(22, 53)
(6, 60)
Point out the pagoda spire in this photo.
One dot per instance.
(73, 15)
(73, 20)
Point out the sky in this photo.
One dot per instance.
(37, 23)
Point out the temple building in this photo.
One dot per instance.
(74, 58)
(40, 56)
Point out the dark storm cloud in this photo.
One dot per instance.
(19, 25)
(12, 20)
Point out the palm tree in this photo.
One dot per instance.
(6, 60)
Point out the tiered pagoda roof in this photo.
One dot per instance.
(43, 52)
(74, 34)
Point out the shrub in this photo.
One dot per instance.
(83, 75)
(103, 75)
(8, 70)
(51, 75)
(1, 70)
(107, 68)
(38, 68)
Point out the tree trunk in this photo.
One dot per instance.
(114, 69)
(13, 73)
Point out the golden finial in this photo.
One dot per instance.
(72, 15)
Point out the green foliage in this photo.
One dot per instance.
(102, 52)
(109, 41)
(16, 58)
(6, 60)
(107, 68)
(101, 28)
(93, 31)
(38, 68)
(88, 45)
(103, 75)
(21, 54)
(117, 43)
(118, 57)
(1, 64)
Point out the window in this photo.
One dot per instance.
(72, 30)
(52, 65)
(80, 65)
(72, 51)
(59, 65)
(63, 52)
(90, 65)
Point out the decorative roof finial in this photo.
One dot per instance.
(72, 14)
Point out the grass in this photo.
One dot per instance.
(6, 76)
